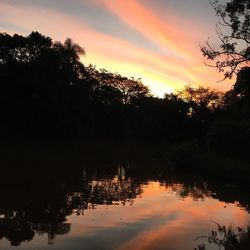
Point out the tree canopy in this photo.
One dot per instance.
(46, 90)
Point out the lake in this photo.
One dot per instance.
(103, 205)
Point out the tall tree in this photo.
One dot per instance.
(70, 53)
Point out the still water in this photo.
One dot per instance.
(115, 210)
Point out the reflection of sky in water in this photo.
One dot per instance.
(158, 219)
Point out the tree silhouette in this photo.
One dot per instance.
(201, 96)
(203, 104)
(234, 35)
(227, 237)
(237, 100)
(130, 88)
(53, 93)
(242, 85)
(70, 53)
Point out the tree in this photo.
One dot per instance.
(233, 32)
(203, 103)
(237, 100)
(242, 85)
(201, 97)
(70, 53)
(130, 88)
(71, 50)
(19, 49)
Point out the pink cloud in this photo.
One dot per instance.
(162, 73)
(164, 34)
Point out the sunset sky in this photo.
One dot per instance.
(156, 40)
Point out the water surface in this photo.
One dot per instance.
(114, 209)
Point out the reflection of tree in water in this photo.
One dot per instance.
(44, 211)
(52, 230)
(16, 228)
(123, 190)
(22, 224)
(111, 191)
(195, 191)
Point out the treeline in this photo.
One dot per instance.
(46, 90)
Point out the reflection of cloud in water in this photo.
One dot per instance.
(119, 212)
(160, 217)
(121, 233)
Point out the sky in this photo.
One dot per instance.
(155, 40)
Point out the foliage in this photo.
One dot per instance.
(229, 238)
(234, 35)
(237, 100)
(242, 85)
(203, 105)
(46, 90)
(129, 88)
(52, 92)
(201, 96)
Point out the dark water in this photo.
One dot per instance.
(108, 205)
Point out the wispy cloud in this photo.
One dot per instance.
(175, 61)
(144, 21)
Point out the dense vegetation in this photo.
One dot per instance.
(47, 91)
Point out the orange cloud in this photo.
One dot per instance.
(143, 20)
(183, 43)
(161, 72)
